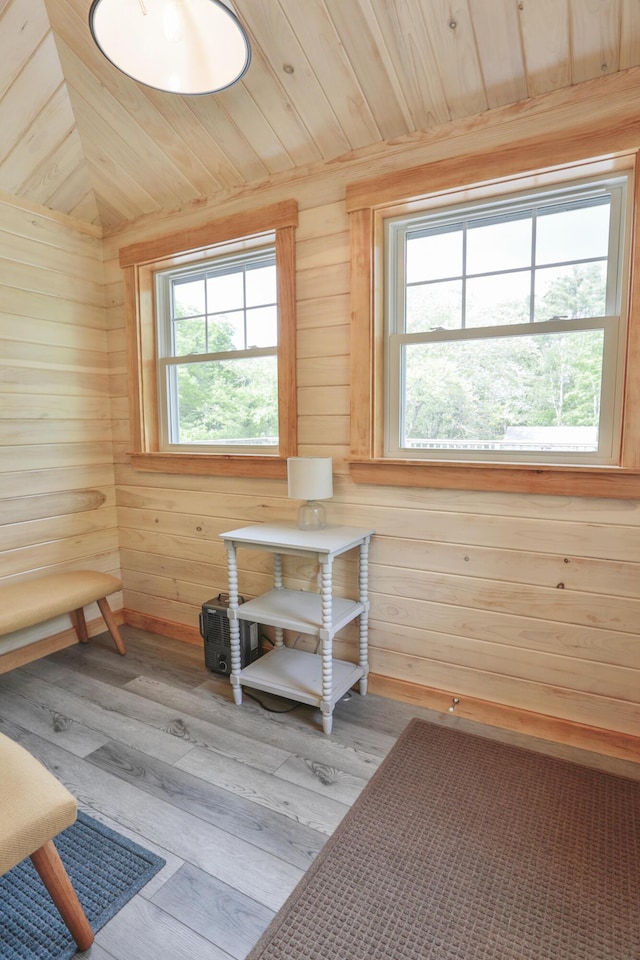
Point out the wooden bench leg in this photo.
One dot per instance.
(112, 626)
(81, 626)
(47, 862)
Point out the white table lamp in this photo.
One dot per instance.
(311, 480)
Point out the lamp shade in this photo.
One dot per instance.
(310, 478)
(178, 46)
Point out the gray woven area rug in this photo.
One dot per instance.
(460, 848)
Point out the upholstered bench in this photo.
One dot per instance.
(32, 602)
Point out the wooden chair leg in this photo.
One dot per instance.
(109, 619)
(81, 626)
(47, 862)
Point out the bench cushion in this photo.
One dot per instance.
(32, 601)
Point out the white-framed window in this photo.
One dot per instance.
(217, 334)
(218, 308)
(504, 327)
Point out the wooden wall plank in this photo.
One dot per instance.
(320, 42)
(274, 31)
(456, 55)
(48, 480)
(62, 177)
(552, 700)
(595, 36)
(417, 81)
(57, 486)
(544, 28)
(629, 34)
(48, 129)
(500, 50)
(27, 33)
(30, 532)
(28, 93)
(360, 34)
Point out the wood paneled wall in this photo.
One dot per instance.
(531, 602)
(57, 495)
(526, 601)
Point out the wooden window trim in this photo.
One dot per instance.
(366, 202)
(140, 262)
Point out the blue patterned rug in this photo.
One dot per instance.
(106, 870)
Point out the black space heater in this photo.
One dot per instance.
(215, 631)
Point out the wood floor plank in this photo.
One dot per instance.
(188, 731)
(52, 725)
(270, 831)
(322, 778)
(98, 953)
(278, 731)
(236, 862)
(214, 910)
(99, 659)
(104, 718)
(144, 931)
(302, 805)
(386, 716)
(359, 737)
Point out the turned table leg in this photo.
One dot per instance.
(363, 580)
(234, 623)
(326, 640)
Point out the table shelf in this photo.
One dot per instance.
(298, 610)
(297, 675)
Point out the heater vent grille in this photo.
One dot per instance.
(214, 630)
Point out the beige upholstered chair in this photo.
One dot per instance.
(35, 808)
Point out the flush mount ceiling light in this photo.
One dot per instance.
(177, 46)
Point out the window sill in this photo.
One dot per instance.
(204, 464)
(616, 482)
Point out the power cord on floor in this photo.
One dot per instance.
(265, 707)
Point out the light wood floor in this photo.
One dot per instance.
(238, 800)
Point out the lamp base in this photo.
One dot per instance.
(312, 516)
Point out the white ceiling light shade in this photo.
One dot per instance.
(178, 46)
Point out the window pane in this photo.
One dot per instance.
(190, 336)
(226, 402)
(577, 233)
(188, 297)
(262, 327)
(261, 285)
(533, 392)
(225, 292)
(226, 332)
(434, 254)
(497, 244)
(499, 299)
(575, 291)
(434, 305)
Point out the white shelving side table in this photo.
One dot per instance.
(316, 679)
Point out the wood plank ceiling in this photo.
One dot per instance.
(328, 77)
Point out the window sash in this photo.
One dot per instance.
(224, 265)
(395, 234)
(169, 405)
(168, 361)
(608, 425)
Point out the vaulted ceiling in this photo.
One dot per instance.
(327, 78)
